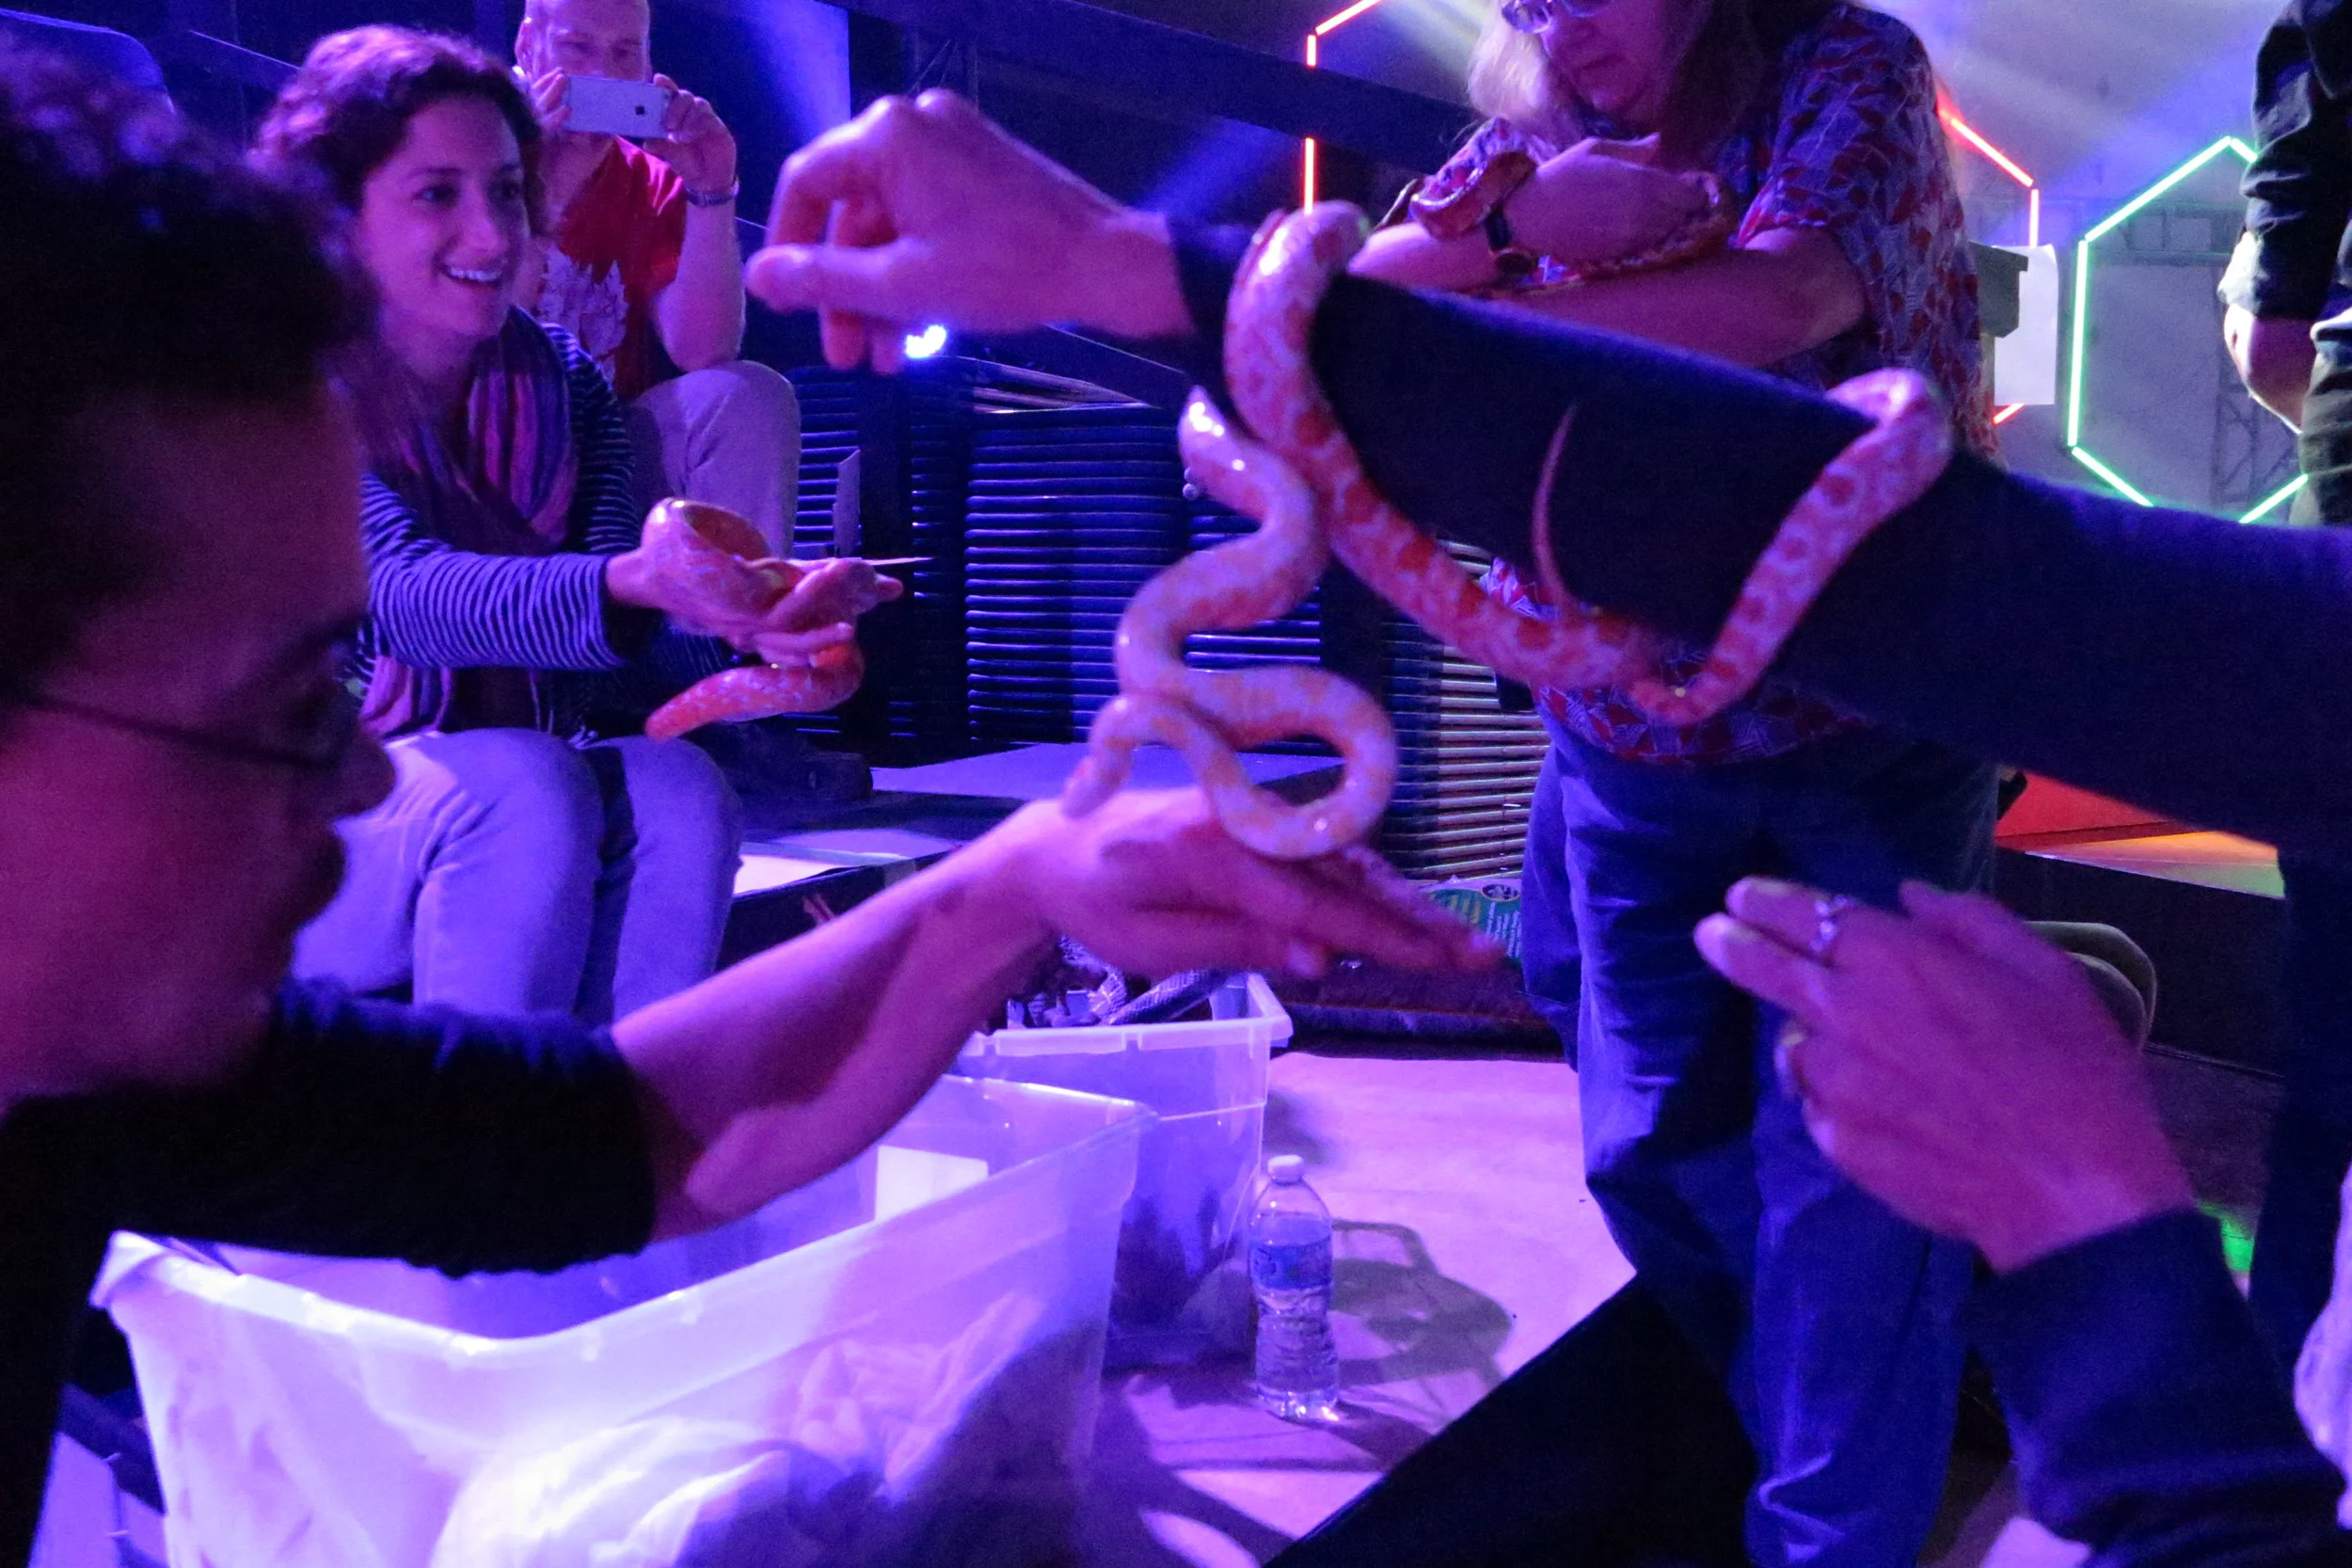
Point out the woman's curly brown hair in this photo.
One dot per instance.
(348, 109)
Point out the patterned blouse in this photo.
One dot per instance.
(1847, 141)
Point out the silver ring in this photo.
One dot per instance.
(1785, 1066)
(1827, 913)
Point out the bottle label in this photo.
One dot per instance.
(1291, 1265)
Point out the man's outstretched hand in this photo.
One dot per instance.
(922, 211)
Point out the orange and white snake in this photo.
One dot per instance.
(1301, 479)
(702, 551)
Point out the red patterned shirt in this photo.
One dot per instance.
(1846, 142)
(616, 251)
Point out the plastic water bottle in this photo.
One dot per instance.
(1290, 1271)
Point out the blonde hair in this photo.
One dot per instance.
(1724, 57)
(1511, 78)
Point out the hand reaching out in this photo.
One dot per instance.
(820, 611)
(922, 211)
(1150, 881)
(1955, 1065)
(824, 600)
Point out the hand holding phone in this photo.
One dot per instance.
(601, 105)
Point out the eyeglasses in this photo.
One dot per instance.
(1533, 16)
(323, 748)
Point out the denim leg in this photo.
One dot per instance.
(1549, 963)
(673, 836)
(2310, 1144)
(366, 939)
(1857, 1350)
(1663, 1070)
(730, 435)
(474, 879)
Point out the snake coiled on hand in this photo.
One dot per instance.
(1301, 479)
(717, 560)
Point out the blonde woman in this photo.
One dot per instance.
(1795, 144)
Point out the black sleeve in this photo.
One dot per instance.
(363, 1129)
(2149, 1417)
(2185, 663)
(2299, 188)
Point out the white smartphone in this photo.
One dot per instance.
(602, 106)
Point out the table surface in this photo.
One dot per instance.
(1465, 1242)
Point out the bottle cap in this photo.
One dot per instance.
(1286, 1167)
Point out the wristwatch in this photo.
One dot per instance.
(1513, 261)
(714, 199)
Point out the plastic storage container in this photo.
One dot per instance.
(1182, 1290)
(897, 1363)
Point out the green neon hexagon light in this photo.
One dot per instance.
(2113, 221)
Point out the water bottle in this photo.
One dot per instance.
(1289, 1272)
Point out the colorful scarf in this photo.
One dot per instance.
(502, 486)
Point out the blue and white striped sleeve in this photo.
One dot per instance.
(434, 607)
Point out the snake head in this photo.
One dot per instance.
(701, 524)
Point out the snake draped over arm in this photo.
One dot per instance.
(1296, 474)
(1300, 478)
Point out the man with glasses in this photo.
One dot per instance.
(178, 498)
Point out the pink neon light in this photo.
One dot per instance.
(2005, 415)
(1969, 134)
(1342, 17)
(1307, 151)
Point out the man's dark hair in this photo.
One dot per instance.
(347, 109)
(143, 265)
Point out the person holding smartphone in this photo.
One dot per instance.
(643, 265)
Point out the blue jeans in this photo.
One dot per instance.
(2311, 1143)
(510, 872)
(1834, 1321)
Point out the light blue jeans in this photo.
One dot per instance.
(510, 872)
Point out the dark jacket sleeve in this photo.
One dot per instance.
(2299, 189)
(2129, 650)
(364, 1129)
(2149, 1417)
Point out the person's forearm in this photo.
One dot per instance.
(2150, 1422)
(1409, 256)
(701, 312)
(785, 1067)
(2125, 649)
(1751, 307)
(2118, 647)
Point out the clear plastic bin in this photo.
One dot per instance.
(1181, 1292)
(897, 1363)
